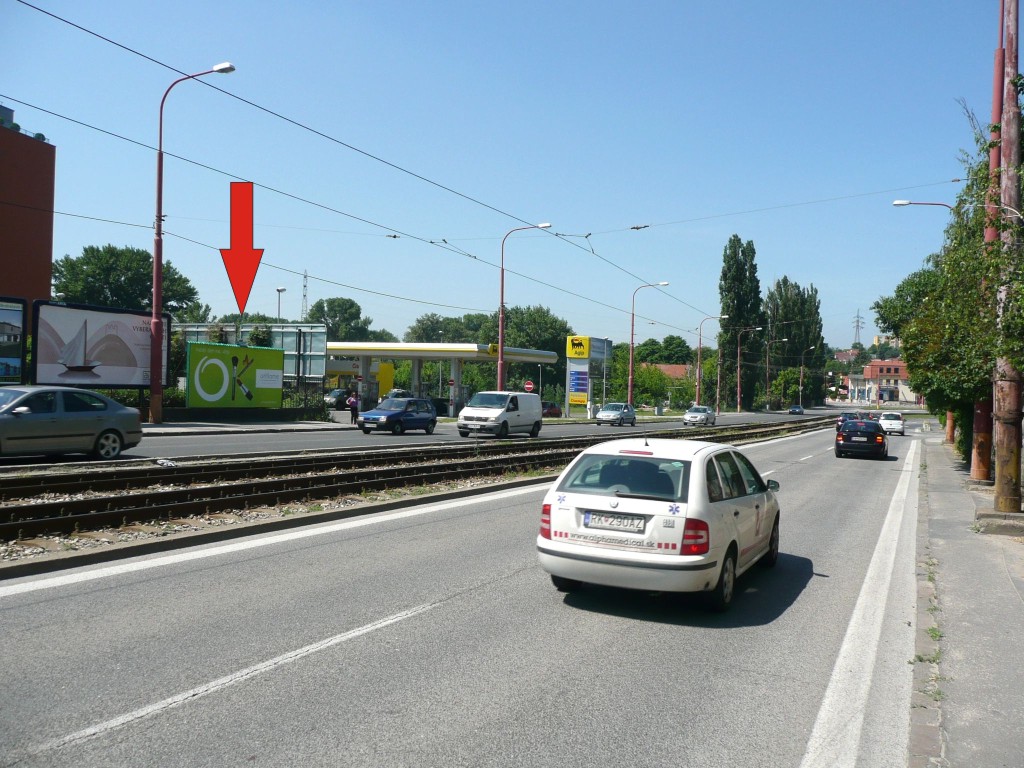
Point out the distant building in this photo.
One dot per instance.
(27, 164)
(883, 381)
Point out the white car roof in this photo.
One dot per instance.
(890, 415)
(682, 450)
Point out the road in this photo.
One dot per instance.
(170, 446)
(430, 637)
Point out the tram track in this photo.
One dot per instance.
(67, 500)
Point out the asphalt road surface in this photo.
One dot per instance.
(430, 637)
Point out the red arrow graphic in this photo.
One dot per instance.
(241, 260)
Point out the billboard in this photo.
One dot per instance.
(77, 344)
(230, 376)
(13, 335)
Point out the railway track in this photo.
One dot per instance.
(76, 498)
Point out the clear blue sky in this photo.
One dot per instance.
(794, 125)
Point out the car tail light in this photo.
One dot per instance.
(545, 521)
(879, 438)
(839, 437)
(696, 538)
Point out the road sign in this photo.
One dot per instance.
(528, 386)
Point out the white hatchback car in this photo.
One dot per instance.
(892, 423)
(659, 515)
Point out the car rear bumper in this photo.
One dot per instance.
(660, 573)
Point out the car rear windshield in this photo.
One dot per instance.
(618, 475)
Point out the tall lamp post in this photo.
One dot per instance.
(501, 305)
(279, 292)
(739, 377)
(632, 331)
(604, 373)
(700, 343)
(809, 349)
(156, 323)
(768, 372)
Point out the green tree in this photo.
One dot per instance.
(259, 336)
(648, 351)
(343, 318)
(108, 276)
(740, 296)
(675, 351)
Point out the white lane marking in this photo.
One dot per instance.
(805, 458)
(224, 682)
(254, 542)
(834, 741)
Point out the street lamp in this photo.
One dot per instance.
(768, 373)
(604, 373)
(279, 292)
(540, 380)
(1014, 211)
(809, 349)
(156, 323)
(700, 337)
(632, 330)
(739, 377)
(501, 306)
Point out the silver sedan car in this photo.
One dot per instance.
(617, 414)
(700, 414)
(37, 419)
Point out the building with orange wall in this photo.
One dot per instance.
(27, 173)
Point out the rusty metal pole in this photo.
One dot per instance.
(981, 449)
(1006, 411)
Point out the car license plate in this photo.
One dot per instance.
(860, 439)
(612, 522)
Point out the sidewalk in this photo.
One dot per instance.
(968, 702)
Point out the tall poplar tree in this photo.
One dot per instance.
(739, 291)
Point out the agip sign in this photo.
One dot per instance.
(229, 376)
(577, 347)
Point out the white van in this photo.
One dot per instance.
(501, 414)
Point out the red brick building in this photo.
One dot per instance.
(27, 172)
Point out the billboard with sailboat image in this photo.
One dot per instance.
(77, 344)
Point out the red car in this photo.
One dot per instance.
(550, 409)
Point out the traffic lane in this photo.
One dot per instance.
(199, 444)
(497, 665)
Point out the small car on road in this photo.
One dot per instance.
(399, 414)
(659, 515)
(37, 419)
(700, 414)
(617, 414)
(892, 422)
(862, 437)
(796, 410)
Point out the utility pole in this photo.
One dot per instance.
(1006, 395)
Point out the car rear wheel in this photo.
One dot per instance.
(536, 429)
(430, 427)
(839, 454)
(633, 422)
(108, 445)
(397, 428)
(563, 584)
(721, 598)
(771, 557)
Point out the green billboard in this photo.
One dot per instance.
(229, 376)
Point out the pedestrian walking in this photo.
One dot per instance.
(353, 407)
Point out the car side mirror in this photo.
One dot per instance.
(773, 485)
(21, 410)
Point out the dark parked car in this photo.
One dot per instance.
(440, 405)
(336, 399)
(550, 409)
(844, 417)
(862, 437)
(398, 415)
(54, 420)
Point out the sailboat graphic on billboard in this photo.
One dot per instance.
(73, 355)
